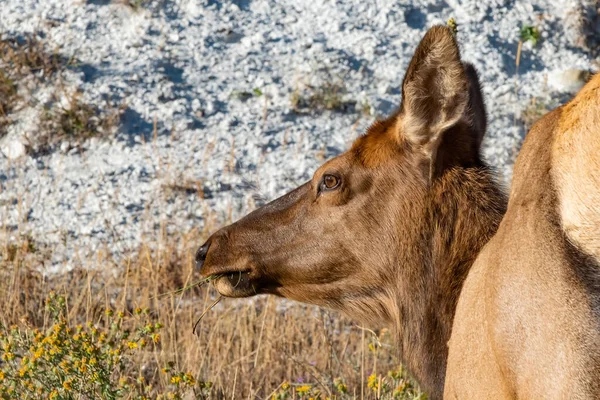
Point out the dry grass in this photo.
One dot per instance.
(75, 122)
(328, 93)
(328, 96)
(8, 99)
(184, 185)
(536, 108)
(265, 348)
(582, 21)
(135, 5)
(30, 56)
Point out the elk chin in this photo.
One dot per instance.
(235, 284)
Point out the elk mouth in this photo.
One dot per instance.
(235, 284)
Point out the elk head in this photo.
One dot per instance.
(366, 227)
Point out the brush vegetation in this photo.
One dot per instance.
(328, 96)
(530, 33)
(8, 98)
(75, 122)
(27, 59)
(123, 329)
(30, 56)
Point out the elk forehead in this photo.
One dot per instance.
(379, 145)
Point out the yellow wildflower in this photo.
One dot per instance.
(38, 353)
(189, 379)
(132, 345)
(302, 390)
(341, 387)
(38, 337)
(68, 384)
(372, 382)
(175, 380)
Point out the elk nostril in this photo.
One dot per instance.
(201, 254)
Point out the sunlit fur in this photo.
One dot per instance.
(528, 319)
(576, 154)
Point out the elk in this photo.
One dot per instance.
(527, 323)
(390, 230)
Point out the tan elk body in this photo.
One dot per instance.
(390, 230)
(528, 320)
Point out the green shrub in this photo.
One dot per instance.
(68, 362)
(530, 34)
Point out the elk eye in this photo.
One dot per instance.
(330, 182)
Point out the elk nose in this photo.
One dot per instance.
(201, 254)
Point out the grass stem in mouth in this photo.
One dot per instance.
(204, 313)
(192, 285)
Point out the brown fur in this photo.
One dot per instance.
(396, 239)
(528, 319)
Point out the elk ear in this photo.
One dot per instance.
(435, 91)
(476, 113)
